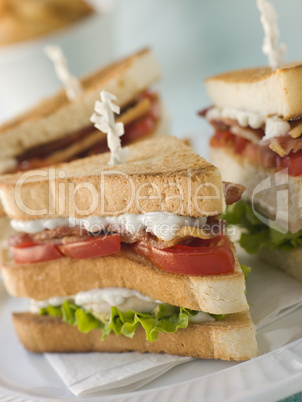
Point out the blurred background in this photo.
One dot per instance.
(192, 40)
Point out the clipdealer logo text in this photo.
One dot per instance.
(279, 192)
(51, 192)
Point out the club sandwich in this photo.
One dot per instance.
(257, 118)
(132, 257)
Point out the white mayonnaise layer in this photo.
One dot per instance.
(274, 126)
(35, 306)
(162, 224)
(100, 301)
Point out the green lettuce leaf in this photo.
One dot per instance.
(256, 234)
(164, 318)
(218, 317)
(69, 313)
(246, 270)
(51, 310)
(86, 322)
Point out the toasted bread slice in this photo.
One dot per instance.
(241, 170)
(57, 117)
(260, 90)
(215, 294)
(162, 174)
(5, 228)
(230, 339)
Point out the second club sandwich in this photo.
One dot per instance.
(135, 254)
(59, 130)
(257, 117)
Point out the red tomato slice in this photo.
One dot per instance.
(200, 258)
(96, 247)
(222, 139)
(251, 151)
(155, 111)
(20, 240)
(36, 253)
(293, 162)
(240, 144)
(267, 157)
(138, 128)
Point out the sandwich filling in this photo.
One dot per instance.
(270, 142)
(274, 144)
(120, 310)
(140, 119)
(177, 244)
(257, 234)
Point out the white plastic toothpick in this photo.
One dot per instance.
(270, 45)
(103, 120)
(71, 84)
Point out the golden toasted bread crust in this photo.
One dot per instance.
(162, 174)
(250, 75)
(216, 294)
(230, 339)
(260, 90)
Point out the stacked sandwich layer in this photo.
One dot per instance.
(257, 142)
(58, 130)
(133, 257)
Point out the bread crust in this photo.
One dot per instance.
(260, 90)
(5, 229)
(57, 117)
(162, 174)
(230, 339)
(216, 294)
(250, 75)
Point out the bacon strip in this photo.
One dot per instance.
(65, 234)
(79, 143)
(296, 130)
(232, 192)
(285, 144)
(292, 142)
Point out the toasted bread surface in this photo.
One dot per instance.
(230, 339)
(216, 294)
(5, 228)
(162, 174)
(57, 117)
(260, 90)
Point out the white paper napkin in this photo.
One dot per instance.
(275, 302)
(270, 292)
(273, 297)
(87, 374)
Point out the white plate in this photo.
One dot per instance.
(28, 377)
